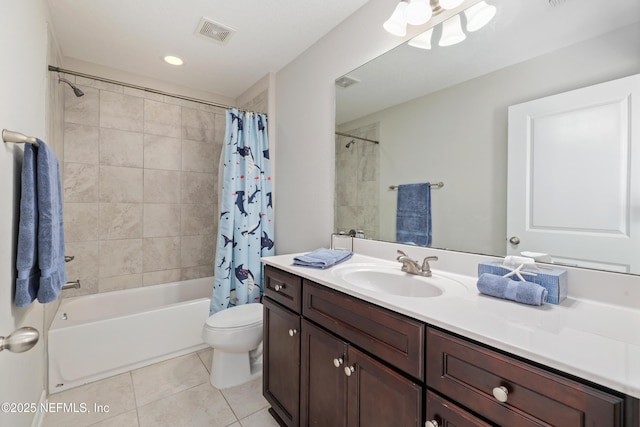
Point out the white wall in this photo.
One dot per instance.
(459, 136)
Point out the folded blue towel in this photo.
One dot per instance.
(413, 215)
(322, 258)
(40, 258)
(503, 287)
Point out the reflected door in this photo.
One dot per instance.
(573, 159)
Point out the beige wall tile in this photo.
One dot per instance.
(161, 220)
(161, 186)
(80, 182)
(121, 148)
(220, 126)
(84, 267)
(80, 222)
(161, 253)
(88, 286)
(162, 276)
(120, 221)
(197, 272)
(197, 125)
(199, 156)
(118, 283)
(120, 185)
(81, 143)
(119, 111)
(198, 187)
(197, 250)
(198, 219)
(162, 119)
(120, 257)
(84, 110)
(162, 152)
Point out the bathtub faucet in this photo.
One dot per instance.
(72, 285)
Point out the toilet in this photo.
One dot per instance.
(236, 337)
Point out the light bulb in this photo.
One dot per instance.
(397, 24)
(451, 32)
(418, 12)
(479, 15)
(450, 4)
(423, 41)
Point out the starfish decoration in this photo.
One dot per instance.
(517, 272)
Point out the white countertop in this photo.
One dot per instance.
(594, 341)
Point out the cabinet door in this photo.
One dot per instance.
(324, 384)
(442, 413)
(379, 396)
(281, 369)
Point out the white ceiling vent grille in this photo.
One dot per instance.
(214, 31)
(346, 81)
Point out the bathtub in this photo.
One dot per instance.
(96, 336)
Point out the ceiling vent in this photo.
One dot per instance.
(346, 81)
(214, 31)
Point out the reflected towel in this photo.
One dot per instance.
(503, 287)
(322, 258)
(413, 216)
(40, 257)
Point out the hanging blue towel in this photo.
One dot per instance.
(413, 216)
(322, 258)
(40, 258)
(503, 287)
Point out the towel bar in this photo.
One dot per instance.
(11, 136)
(436, 185)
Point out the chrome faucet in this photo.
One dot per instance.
(411, 266)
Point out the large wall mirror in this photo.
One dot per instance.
(441, 115)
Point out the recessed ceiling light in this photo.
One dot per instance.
(173, 60)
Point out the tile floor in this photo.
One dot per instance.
(173, 393)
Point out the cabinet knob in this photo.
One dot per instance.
(501, 394)
(292, 332)
(337, 362)
(348, 370)
(432, 423)
(278, 288)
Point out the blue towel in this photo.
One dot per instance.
(413, 216)
(322, 258)
(40, 258)
(503, 287)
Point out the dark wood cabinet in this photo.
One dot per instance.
(443, 413)
(281, 362)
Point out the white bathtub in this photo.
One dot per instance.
(97, 336)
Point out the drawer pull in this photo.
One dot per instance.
(337, 362)
(432, 423)
(501, 394)
(278, 288)
(348, 370)
(292, 332)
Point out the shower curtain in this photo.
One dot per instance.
(245, 232)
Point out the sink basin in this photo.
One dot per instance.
(390, 280)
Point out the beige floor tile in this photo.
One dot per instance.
(169, 377)
(202, 405)
(116, 392)
(246, 399)
(207, 357)
(128, 419)
(235, 425)
(259, 419)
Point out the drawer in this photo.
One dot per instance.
(396, 339)
(468, 374)
(442, 413)
(282, 287)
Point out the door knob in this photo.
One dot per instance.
(501, 394)
(20, 340)
(337, 362)
(514, 240)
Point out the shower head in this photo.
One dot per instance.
(353, 141)
(75, 88)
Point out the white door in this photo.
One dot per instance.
(22, 100)
(574, 176)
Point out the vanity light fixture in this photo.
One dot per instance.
(397, 24)
(173, 60)
(422, 41)
(418, 12)
(479, 15)
(452, 32)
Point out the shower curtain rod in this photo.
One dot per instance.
(146, 89)
(357, 137)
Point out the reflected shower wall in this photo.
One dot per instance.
(357, 182)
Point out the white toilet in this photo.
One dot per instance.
(236, 337)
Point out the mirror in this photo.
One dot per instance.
(440, 115)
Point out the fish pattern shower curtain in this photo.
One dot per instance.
(245, 232)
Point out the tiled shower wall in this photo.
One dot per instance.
(357, 182)
(140, 187)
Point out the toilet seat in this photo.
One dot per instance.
(240, 316)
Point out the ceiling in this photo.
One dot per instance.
(521, 30)
(134, 36)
